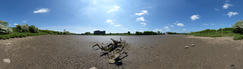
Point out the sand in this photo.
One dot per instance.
(145, 52)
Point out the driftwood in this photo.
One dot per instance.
(115, 51)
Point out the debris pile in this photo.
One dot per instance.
(115, 51)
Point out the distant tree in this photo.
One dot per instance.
(87, 33)
(171, 32)
(159, 33)
(238, 27)
(138, 33)
(149, 33)
(128, 32)
(4, 29)
(65, 32)
(33, 29)
(22, 28)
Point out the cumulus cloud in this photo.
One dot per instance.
(42, 10)
(230, 14)
(226, 5)
(143, 12)
(143, 23)
(180, 24)
(167, 28)
(114, 9)
(109, 21)
(195, 17)
(141, 19)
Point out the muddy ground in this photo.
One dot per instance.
(145, 52)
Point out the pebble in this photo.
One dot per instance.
(186, 47)
(7, 60)
(93, 68)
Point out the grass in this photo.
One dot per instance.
(226, 32)
(25, 34)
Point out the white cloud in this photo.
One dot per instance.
(42, 10)
(180, 24)
(227, 5)
(195, 17)
(167, 28)
(143, 23)
(230, 14)
(109, 21)
(16, 24)
(114, 9)
(118, 25)
(141, 19)
(142, 13)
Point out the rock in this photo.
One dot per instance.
(192, 45)
(112, 61)
(7, 60)
(186, 47)
(93, 68)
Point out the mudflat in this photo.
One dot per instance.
(145, 52)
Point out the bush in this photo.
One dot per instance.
(33, 29)
(238, 27)
(22, 28)
(238, 37)
(4, 29)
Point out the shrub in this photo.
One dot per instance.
(22, 28)
(4, 29)
(33, 29)
(238, 37)
(238, 27)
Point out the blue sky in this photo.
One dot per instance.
(118, 16)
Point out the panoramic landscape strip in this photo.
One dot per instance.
(19, 31)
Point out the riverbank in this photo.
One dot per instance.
(145, 52)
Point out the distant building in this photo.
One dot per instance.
(98, 32)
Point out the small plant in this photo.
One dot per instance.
(238, 37)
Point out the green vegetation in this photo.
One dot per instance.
(25, 30)
(236, 31)
(4, 29)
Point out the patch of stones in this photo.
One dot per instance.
(190, 45)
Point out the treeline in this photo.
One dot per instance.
(236, 31)
(19, 31)
(139, 33)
